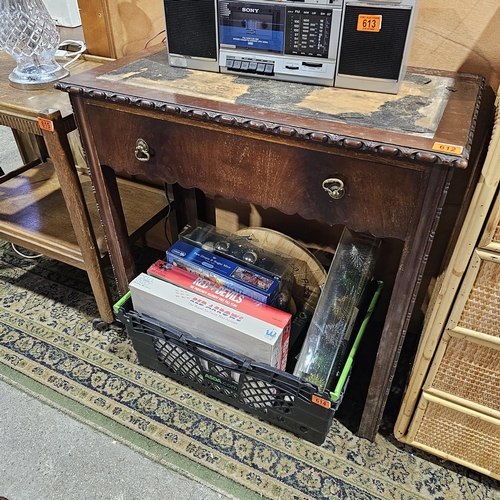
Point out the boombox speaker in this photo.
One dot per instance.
(192, 34)
(375, 43)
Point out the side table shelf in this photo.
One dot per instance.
(33, 213)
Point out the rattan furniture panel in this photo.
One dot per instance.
(468, 369)
(496, 236)
(481, 311)
(466, 437)
(456, 374)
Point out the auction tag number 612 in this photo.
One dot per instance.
(448, 148)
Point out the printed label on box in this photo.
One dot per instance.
(224, 272)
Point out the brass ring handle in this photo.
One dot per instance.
(142, 150)
(334, 187)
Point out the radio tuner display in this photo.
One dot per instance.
(308, 31)
(251, 26)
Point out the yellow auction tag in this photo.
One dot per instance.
(448, 148)
(368, 22)
(321, 401)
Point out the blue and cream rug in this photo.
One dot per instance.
(46, 336)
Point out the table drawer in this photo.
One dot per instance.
(290, 179)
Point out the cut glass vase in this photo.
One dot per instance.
(29, 35)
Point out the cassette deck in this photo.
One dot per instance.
(346, 43)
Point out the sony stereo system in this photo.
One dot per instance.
(362, 45)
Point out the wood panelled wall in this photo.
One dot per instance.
(116, 28)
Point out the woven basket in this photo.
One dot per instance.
(496, 236)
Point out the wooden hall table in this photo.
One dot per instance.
(47, 205)
(375, 163)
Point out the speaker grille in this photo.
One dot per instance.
(191, 28)
(374, 55)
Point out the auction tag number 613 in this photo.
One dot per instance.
(371, 23)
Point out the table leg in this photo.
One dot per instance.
(30, 146)
(59, 150)
(411, 269)
(190, 206)
(110, 207)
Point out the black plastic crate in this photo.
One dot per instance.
(273, 395)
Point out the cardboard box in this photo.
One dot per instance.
(223, 295)
(212, 322)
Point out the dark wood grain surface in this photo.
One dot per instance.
(129, 81)
(416, 109)
(210, 132)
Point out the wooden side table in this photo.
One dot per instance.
(48, 205)
(375, 163)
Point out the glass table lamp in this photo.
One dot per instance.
(29, 35)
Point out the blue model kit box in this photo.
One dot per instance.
(224, 271)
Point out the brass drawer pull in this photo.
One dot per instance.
(334, 187)
(142, 150)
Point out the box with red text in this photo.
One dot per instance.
(216, 291)
(224, 271)
(212, 321)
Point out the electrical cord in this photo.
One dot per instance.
(152, 38)
(34, 256)
(63, 50)
(168, 215)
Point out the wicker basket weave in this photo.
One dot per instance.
(460, 436)
(496, 236)
(452, 404)
(470, 371)
(482, 309)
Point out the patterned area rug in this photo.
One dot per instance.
(46, 333)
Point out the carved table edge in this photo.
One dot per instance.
(327, 138)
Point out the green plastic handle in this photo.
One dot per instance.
(335, 395)
(116, 307)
